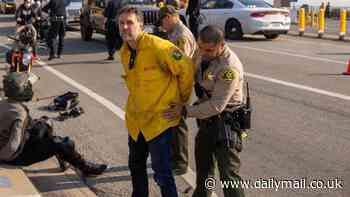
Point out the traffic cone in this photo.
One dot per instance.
(348, 69)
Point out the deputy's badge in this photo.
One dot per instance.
(228, 75)
(177, 55)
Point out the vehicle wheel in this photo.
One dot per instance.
(233, 30)
(86, 32)
(271, 36)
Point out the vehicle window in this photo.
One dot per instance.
(75, 1)
(255, 3)
(217, 4)
(100, 3)
(208, 4)
(224, 4)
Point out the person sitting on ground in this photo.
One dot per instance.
(24, 141)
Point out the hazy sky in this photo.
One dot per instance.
(341, 3)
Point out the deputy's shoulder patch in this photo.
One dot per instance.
(180, 41)
(176, 54)
(228, 75)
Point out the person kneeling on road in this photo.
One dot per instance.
(24, 141)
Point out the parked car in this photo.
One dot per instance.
(91, 16)
(73, 11)
(238, 17)
(7, 6)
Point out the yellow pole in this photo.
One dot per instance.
(342, 24)
(308, 19)
(321, 23)
(301, 21)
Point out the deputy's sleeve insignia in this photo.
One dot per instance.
(177, 55)
(228, 75)
(180, 42)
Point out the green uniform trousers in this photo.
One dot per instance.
(180, 148)
(208, 153)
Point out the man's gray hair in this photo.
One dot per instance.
(133, 10)
(211, 34)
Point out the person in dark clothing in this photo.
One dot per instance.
(57, 17)
(35, 141)
(113, 39)
(193, 12)
(328, 10)
(25, 16)
(38, 16)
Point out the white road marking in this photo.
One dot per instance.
(189, 177)
(315, 43)
(302, 87)
(290, 54)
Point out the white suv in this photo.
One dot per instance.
(73, 11)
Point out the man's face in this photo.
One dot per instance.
(38, 3)
(27, 4)
(129, 26)
(167, 23)
(209, 51)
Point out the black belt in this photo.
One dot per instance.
(57, 17)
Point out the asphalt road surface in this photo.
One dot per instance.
(301, 119)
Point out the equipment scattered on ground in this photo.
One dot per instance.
(73, 113)
(65, 102)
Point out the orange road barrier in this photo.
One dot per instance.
(347, 70)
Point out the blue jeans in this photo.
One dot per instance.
(160, 150)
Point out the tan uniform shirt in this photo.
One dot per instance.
(182, 37)
(223, 80)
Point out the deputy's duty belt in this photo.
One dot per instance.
(56, 17)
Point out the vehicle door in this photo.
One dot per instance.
(97, 9)
(215, 12)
